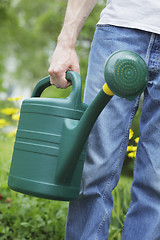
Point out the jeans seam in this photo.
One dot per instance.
(150, 45)
(148, 53)
(101, 224)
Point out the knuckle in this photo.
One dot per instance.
(50, 71)
(57, 71)
(54, 71)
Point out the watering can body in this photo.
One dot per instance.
(37, 144)
(51, 139)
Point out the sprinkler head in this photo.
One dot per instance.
(126, 74)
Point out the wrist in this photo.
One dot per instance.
(67, 37)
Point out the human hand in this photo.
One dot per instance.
(63, 59)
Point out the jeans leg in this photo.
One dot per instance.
(143, 218)
(89, 216)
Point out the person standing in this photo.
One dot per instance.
(123, 25)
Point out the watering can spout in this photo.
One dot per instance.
(126, 75)
(75, 134)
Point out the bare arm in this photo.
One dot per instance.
(65, 57)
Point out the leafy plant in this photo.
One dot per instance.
(24, 217)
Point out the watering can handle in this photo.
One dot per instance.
(70, 76)
(41, 85)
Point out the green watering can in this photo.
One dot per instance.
(52, 134)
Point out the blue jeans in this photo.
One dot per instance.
(89, 216)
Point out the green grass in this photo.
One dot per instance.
(24, 217)
(122, 198)
(6, 146)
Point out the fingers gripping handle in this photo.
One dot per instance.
(74, 77)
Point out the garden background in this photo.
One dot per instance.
(28, 34)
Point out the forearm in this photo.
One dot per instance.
(76, 14)
(64, 57)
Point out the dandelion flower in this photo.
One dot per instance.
(136, 140)
(130, 134)
(132, 154)
(131, 148)
(15, 116)
(9, 111)
(15, 99)
(3, 123)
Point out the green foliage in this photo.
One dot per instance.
(31, 218)
(33, 30)
(122, 198)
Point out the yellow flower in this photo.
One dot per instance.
(9, 111)
(132, 154)
(136, 140)
(2, 120)
(15, 99)
(130, 134)
(13, 133)
(131, 148)
(15, 116)
(3, 123)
